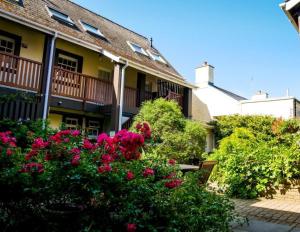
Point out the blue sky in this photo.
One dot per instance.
(250, 42)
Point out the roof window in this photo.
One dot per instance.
(60, 16)
(137, 48)
(156, 57)
(91, 29)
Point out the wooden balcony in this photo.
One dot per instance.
(175, 97)
(20, 73)
(81, 87)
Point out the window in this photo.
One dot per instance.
(91, 29)
(72, 123)
(156, 57)
(137, 48)
(19, 2)
(7, 45)
(67, 63)
(104, 75)
(60, 16)
(93, 129)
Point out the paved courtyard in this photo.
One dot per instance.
(264, 214)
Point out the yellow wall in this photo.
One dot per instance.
(55, 120)
(32, 39)
(91, 60)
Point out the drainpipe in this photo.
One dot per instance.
(50, 64)
(122, 94)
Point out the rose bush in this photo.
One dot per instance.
(69, 183)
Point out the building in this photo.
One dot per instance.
(292, 10)
(80, 68)
(210, 101)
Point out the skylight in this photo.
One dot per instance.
(137, 48)
(89, 28)
(59, 16)
(156, 57)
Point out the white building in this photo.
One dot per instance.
(210, 101)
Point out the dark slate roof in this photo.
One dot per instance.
(230, 94)
(116, 35)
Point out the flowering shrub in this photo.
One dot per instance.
(108, 185)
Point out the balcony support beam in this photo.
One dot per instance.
(187, 102)
(116, 98)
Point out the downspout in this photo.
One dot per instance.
(45, 109)
(122, 94)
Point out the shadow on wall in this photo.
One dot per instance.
(200, 110)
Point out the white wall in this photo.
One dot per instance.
(216, 102)
(275, 107)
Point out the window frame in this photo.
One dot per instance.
(131, 45)
(16, 38)
(71, 55)
(68, 21)
(18, 2)
(154, 55)
(108, 71)
(84, 24)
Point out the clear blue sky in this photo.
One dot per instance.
(250, 42)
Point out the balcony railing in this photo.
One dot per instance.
(19, 72)
(130, 97)
(175, 97)
(82, 87)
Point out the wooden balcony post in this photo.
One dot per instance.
(187, 102)
(116, 94)
(45, 90)
(141, 88)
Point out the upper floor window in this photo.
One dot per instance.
(105, 75)
(7, 45)
(59, 16)
(91, 29)
(67, 63)
(137, 48)
(156, 57)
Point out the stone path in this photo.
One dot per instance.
(263, 214)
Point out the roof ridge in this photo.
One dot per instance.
(74, 3)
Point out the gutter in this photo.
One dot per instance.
(286, 9)
(48, 82)
(122, 94)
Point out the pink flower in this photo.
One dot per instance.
(105, 168)
(66, 140)
(129, 175)
(106, 159)
(88, 145)
(173, 183)
(172, 162)
(75, 160)
(75, 151)
(170, 176)
(75, 133)
(8, 152)
(102, 138)
(148, 172)
(39, 144)
(131, 227)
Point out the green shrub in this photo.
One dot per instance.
(252, 163)
(173, 136)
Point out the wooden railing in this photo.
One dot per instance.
(19, 72)
(130, 97)
(175, 97)
(82, 87)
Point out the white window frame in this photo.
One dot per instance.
(136, 51)
(69, 20)
(106, 70)
(82, 23)
(71, 126)
(153, 57)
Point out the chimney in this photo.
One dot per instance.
(204, 75)
(260, 95)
